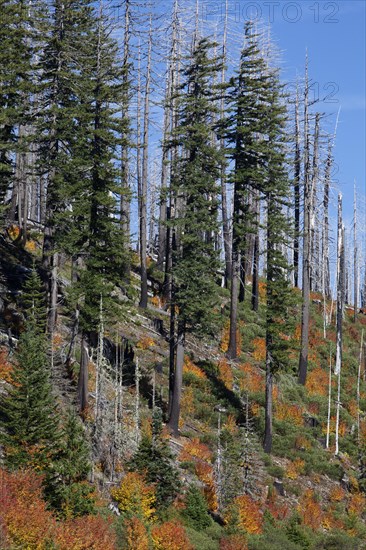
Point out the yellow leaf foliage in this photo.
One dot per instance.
(259, 353)
(247, 513)
(135, 496)
(295, 468)
(190, 368)
(136, 535)
(290, 413)
(310, 510)
(170, 535)
(226, 373)
(145, 343)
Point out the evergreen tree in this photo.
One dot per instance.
(66, 486)
(154, 459)
(195, 188)
(276, 192)
(15, 86)
(246, 134)
(196, 509)
(29, 416)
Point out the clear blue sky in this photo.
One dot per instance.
(333, 33)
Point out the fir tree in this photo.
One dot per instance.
(154, 459)
(15, 86)
(246, 135)
(66, 485)
(196, 509)
(276, 191)
(195, 188)
(29, 416)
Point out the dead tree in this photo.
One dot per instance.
(305, 310)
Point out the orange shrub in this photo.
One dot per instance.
(247, 513)
(191, 368)
(317, 382)
(289, 413)
(295, 468)
(187, 402)
(337, 494)
(170, 535)
(310, 510)
(356, 504)
(86, 533)
(253, 380)
(136, 535)
(30, 246)
(332, 426)
(194, 449)
(206, 475)
(278, 510)
(24, 517)
(302, 443)
(233, 542)
(145, 342)
(135, 497)
(13, 232)
(6, 368)
(230, 424)
(224, 344)
(226, 373)
(259, 353)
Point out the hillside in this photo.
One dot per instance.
(300, 496)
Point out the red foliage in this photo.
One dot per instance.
(26, 523)
(170, 535)
(233, 542)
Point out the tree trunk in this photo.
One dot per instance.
(267, 443)
(297, 172)
(224, 205)
(305, 310)
(125, 167)
(143, 197)
(178, 380)
(340, 290)
(255, 282)
(83, 393)
(355, 258)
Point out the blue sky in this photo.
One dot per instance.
(334, 35)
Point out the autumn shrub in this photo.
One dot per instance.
(25, 520)
(245, 514)
(170, 535)
(85, 533)
(135, 497)
(310, 510)
(135, 534)
(233, 542)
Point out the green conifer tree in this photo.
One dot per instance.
(154, 459)
(196, 509)
(66, 485)
(29, 416)
(280, 299)
(195, 188)
(246, 136)
(15, 86)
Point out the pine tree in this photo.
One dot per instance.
(154, 459)
(276, 192)
(29, 416)
(245, 132)
(66, 486)
(196, 509)
(15, 87)
(195, 187)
